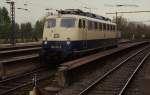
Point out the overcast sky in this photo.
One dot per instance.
(37, 8)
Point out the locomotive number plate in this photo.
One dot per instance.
(55, 46)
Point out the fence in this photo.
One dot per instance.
(20, 37)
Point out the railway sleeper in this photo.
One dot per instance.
(64, 75)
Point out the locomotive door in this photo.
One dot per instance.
(84, 33)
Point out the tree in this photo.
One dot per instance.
(28, 27)
(39, 26)
(26, 31)
(130, 30)
(5, 22)
(17, 27)
(121, 22)
(23, 27)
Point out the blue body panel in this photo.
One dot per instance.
(65, 49)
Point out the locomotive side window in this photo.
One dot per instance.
(95, 25)
(81, 23)
(90, 25)
(51, 23)
(100, 26)
(104, 27)
(108, 27)
(114, 27)
(68, 22)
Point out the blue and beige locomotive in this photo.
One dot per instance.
(73, 32)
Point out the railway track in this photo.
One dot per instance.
(16, 62)
(116, 80)
(16, 65)
(7, 48)
(21, 57)
(19, 52)
(139, 85)
(13, 84)
(86, 75)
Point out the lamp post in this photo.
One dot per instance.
(22, 33)
(120, 5)
(12, 13)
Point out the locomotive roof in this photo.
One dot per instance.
(82, 13)
(66, 14)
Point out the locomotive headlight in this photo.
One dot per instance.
(68, 41)
(45, 42)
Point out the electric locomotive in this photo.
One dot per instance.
(73, 31)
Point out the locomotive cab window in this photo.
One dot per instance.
(68, 22)
(51, 23)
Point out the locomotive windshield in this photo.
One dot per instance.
(68, 22)
(51, 23)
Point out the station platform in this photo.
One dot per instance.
(146, 81)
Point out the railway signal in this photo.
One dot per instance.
(119, 5)
(89, 8)
(129, 12)
(12, 13)
(116, 13)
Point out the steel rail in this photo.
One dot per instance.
(19, 58)
(135, 71)
(19, 50)
(5, 48)
(22, 75)
(23, 85)
(18, 86)
(109, 72)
